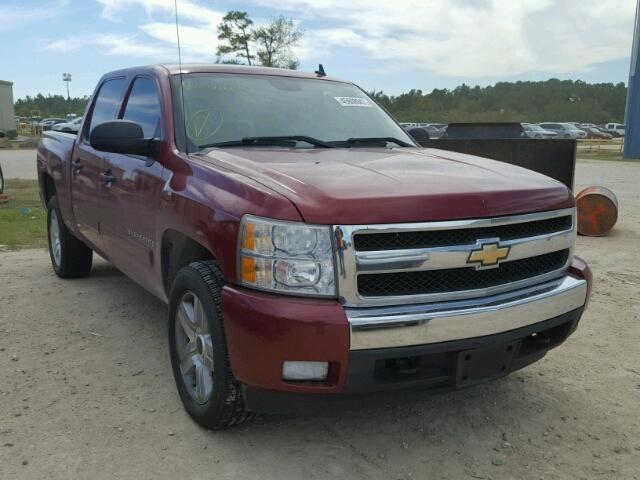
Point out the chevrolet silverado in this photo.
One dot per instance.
(308, 248)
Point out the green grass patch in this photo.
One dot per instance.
(23, 221)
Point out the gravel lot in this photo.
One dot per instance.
(86, 390)
(18, 163)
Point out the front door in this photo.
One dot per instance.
(132, 199)
(87, 164)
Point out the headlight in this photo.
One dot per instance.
(286, 257)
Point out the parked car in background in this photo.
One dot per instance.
(430, 129)
(70, 127)
(48, 123)
(536, 131)
(595, 133)
(615, 129)
(564, 130)
(484, 130)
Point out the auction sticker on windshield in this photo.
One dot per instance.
(353, 101)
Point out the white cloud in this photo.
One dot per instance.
(12, 17)
(197, 25)
(110, 44)
(113, 9)
(196, 43)
(472, 38)
(465, 38)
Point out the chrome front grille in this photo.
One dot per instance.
(445, 238)
(457, 279)
(395, 264)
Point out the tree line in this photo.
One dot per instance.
(49, 106)
(534, 102)
(551, 100)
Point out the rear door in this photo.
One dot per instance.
(87, 187)
(132, 200)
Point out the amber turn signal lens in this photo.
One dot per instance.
(249, 237)
(248, 270)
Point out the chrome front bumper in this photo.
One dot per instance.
(394, 326)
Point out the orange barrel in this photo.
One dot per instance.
(597, 211)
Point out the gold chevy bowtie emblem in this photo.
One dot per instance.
(489, 255)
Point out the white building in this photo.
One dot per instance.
(7, 112)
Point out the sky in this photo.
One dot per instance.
(389, 45)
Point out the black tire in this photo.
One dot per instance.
(1, 181)
(74, 259)
(225, 406)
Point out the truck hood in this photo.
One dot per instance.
(381, 185)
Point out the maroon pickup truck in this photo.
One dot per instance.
(308, 248)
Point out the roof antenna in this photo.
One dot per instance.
(184, 113)
(320, 71)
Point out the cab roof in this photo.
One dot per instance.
(175, 69)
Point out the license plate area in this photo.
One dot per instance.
(482, 364)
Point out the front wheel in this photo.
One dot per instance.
(70, 257)
(198, 348)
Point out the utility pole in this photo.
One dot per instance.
(632, 115)
(66, 77)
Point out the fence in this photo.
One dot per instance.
(598, 146)
(29, 129)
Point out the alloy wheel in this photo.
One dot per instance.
(54, 238)
(194, 348)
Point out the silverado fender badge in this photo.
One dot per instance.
(488, 255)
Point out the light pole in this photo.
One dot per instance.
(66, 77)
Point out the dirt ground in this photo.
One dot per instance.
(18, 163)
(86, 390)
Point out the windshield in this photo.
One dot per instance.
(221, 107)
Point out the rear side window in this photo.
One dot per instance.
(143, 107)
(107, 102)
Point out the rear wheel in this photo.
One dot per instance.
(198, 348)
(70, 257)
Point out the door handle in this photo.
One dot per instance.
(76, 166)
(107, 178)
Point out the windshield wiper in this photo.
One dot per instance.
(385, 140)
(272, 140)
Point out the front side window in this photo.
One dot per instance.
(220, 107)
(107, 102)
(143, 107)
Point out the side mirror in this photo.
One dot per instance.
(123, 136)
(420, 135)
